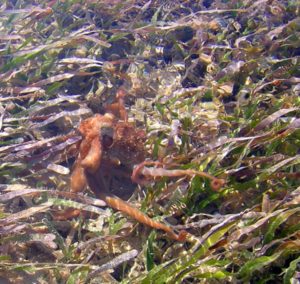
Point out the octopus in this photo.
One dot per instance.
(111, 146)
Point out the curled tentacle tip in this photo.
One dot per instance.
(182, 236)
(216, 183)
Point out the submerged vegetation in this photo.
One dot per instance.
(213, 86)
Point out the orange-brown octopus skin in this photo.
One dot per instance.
(90, 127)
(90, 157)
(153, 172)
(92, 160)
(91, 145)
(136, 214)
(78, 178)
(118, 108)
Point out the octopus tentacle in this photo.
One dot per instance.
(92, 160)
(78, 178)
(93, 150)
(142, 170)
(136, 214)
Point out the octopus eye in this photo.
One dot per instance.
(107, 135)
(107, 141)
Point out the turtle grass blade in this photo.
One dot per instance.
(113, 263)
(274, 224)
(214, 84)
(273, 117)
(256, 264)
(290, 271)
(246, 230)
(13, 191)
(12, 218)
(168, 273)
(150, 253)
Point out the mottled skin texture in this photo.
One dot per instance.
(111, 147)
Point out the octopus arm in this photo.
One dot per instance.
(92, 160)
